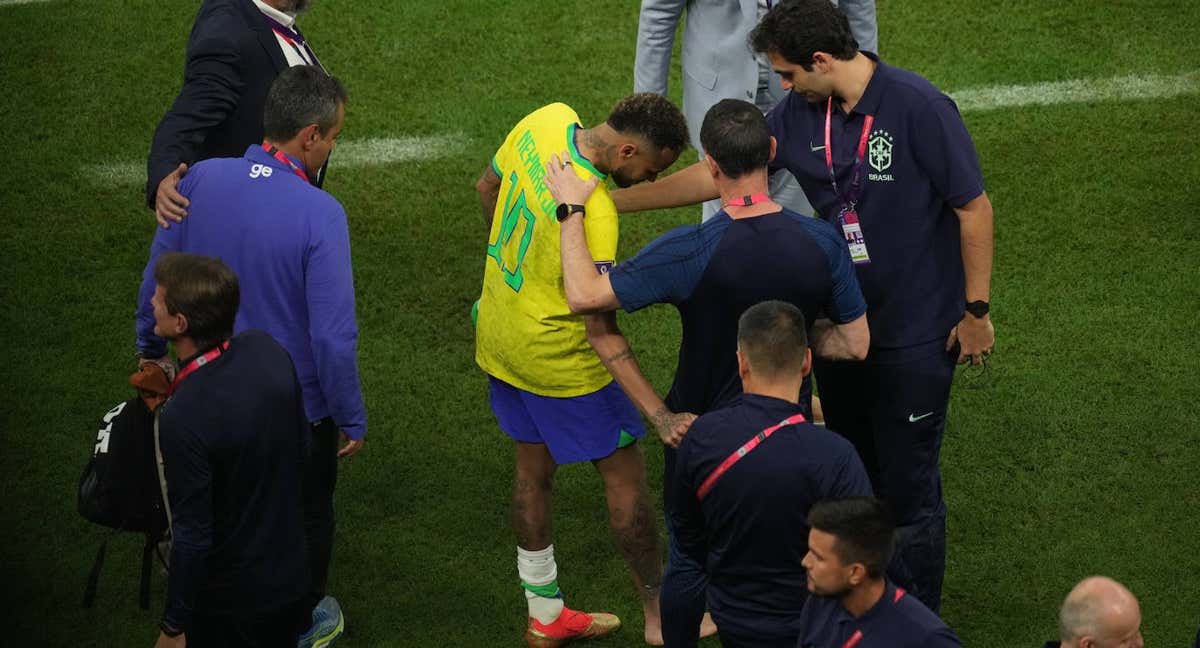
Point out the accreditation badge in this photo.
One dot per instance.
(852, 230)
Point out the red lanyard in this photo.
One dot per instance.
(279, 155)
(746, 201)
(195, 364)
(858, 634)
(742, 452)
(295, 39)
(851, 198)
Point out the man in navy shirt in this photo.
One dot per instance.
(289, 243)
(852, 603)
(233, 437)
(883, 156)
(751, 251)
(746, 477)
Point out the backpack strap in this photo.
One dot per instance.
(93, 579)
(162, 485)
(147, 559)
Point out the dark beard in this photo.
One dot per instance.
(621, 180)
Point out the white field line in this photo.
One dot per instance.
(1125, 88)
(348, 154)
(6, 3)
(390, 150)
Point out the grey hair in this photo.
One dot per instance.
(301, 95)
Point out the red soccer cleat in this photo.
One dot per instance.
(571, 625)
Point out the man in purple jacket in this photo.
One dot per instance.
(289, 244)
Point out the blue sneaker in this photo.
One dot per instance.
(327, 625)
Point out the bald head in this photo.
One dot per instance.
(1100, 613)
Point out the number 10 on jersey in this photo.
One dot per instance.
(508, 256)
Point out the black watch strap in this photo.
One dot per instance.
(978, 308)
(564, 210)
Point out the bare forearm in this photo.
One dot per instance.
(846, 342)
(619, 359)
(977, 249)
(587, 290)
(690, 186)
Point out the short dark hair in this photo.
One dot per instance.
(735, 135)
(772, 337)
(796, 29)
(653, 118)
(301, 95)
(864, 529)
(204, 290)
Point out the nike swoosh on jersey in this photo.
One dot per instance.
(913, 418)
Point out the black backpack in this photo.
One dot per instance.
(122, 488)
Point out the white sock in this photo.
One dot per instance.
(539, 577)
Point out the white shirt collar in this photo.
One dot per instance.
(287, 20)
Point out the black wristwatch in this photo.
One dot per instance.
(564, 210)
(978, 308)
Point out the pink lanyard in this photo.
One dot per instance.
(195, 364)
(851, 198)
(858, 634)
(742, 452)
(279, 155)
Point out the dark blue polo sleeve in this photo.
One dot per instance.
(851, 479)
(778, 125)
(667, 270)
(846, 302)
(944, 150)
(687, 517)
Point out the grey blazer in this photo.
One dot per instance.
(717, 60)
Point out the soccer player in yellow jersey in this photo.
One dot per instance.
(550, 372)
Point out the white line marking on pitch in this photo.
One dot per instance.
(374, 151)
(1125, 88)
(349, 153)
(6, 3)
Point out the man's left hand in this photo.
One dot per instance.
(564, 184)
(351, 446)
(171, 642)
(976, 338)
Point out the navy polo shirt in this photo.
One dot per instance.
(750, 531)
(898, 620)
(234, 437)
(714, 271)
(920, 165)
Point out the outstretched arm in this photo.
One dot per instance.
(614, 351)
(690, 186)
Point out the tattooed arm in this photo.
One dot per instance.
(614, 351)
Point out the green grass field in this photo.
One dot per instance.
(1082, 457)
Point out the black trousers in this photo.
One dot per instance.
(320, 478)
(895, 415)
(279, 629)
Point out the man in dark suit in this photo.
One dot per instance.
(236, 49)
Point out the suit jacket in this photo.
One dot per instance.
(232, 58)
(717, 60)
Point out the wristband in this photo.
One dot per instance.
(564, 211)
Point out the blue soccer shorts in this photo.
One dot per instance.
(574, 429)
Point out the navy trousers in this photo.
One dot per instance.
(895, 415)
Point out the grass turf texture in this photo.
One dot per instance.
(1080, 458)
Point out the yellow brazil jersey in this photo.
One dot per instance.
(525, 334)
